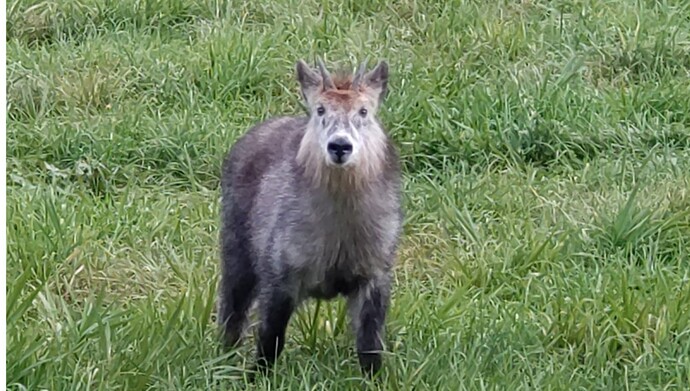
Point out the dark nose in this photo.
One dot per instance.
(339, 148)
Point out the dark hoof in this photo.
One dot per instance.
(370, 363)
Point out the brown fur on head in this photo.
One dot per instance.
(344, 141)
(342, 81)
(343, 93)
(374, 84)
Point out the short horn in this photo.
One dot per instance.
(325, 76)
(359, 75)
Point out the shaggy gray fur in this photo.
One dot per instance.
(297, 228)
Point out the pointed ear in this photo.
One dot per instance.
(309, 80)
(376, 82)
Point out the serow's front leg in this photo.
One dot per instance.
(368, 308)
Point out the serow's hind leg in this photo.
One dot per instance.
(276, 309)
(236, 288)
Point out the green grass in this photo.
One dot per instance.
(546, 150)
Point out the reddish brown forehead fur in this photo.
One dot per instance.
(343, 95)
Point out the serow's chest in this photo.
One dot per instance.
(340, 268)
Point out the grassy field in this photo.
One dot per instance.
(546, 147)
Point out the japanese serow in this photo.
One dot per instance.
(311, 208)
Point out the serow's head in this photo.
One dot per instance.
(343, 130)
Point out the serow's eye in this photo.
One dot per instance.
(320, 111)
(363, 112)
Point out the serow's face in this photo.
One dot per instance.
(343, 124)
(342, 120)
